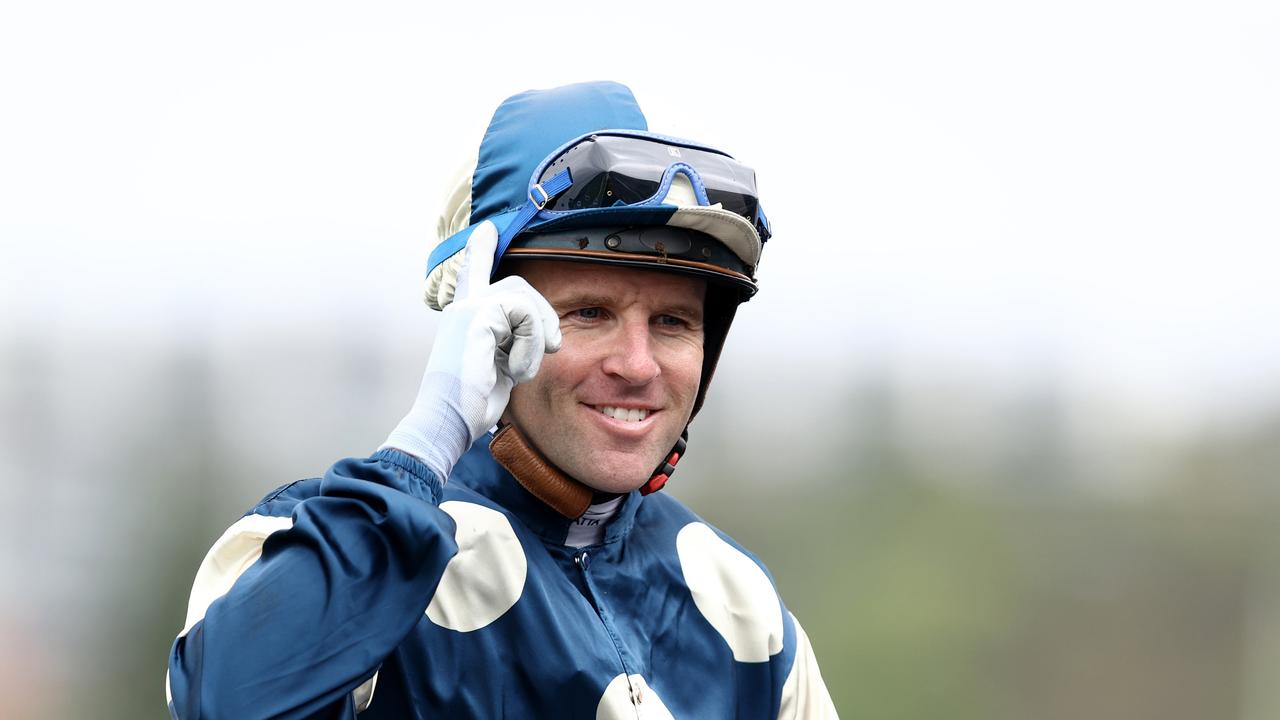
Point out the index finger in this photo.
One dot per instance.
(477, 264)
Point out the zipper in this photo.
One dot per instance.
(582, 561)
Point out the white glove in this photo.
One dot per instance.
(491, 338)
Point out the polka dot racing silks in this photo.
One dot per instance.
(378, 592)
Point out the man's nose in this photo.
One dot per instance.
(632, 355)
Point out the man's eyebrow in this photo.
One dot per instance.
(693, 310)
(590, 299)
(581, 299)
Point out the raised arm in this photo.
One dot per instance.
(296, 606)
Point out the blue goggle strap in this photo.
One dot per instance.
(540, 195)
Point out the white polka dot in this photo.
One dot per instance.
(238, 548)
(630, 697)
(732, 592)
(487, 575)
(804, 695)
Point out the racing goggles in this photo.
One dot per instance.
(611, 170)
(632, 170)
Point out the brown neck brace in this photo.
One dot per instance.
(545, 481)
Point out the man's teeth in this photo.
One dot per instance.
(631, 415)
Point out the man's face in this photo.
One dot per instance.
(609, 406)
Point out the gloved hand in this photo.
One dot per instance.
(491, 338)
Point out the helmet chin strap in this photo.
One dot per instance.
(553, 486)
(667, 466)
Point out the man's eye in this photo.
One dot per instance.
(591, 313)
(670, 320)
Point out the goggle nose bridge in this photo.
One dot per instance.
(690, 172)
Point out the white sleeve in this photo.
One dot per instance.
(804, 695)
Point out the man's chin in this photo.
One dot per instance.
(606, 469)
(614, 486)
(603, 476)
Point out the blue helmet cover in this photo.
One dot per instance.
(524, 130)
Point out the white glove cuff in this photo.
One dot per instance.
(435, 430)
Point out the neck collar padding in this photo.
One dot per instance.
(543, 480)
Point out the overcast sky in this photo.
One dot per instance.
(1084, 189)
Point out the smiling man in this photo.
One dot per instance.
(612, 402)
(507, 552)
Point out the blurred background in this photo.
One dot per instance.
(1004, 419)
